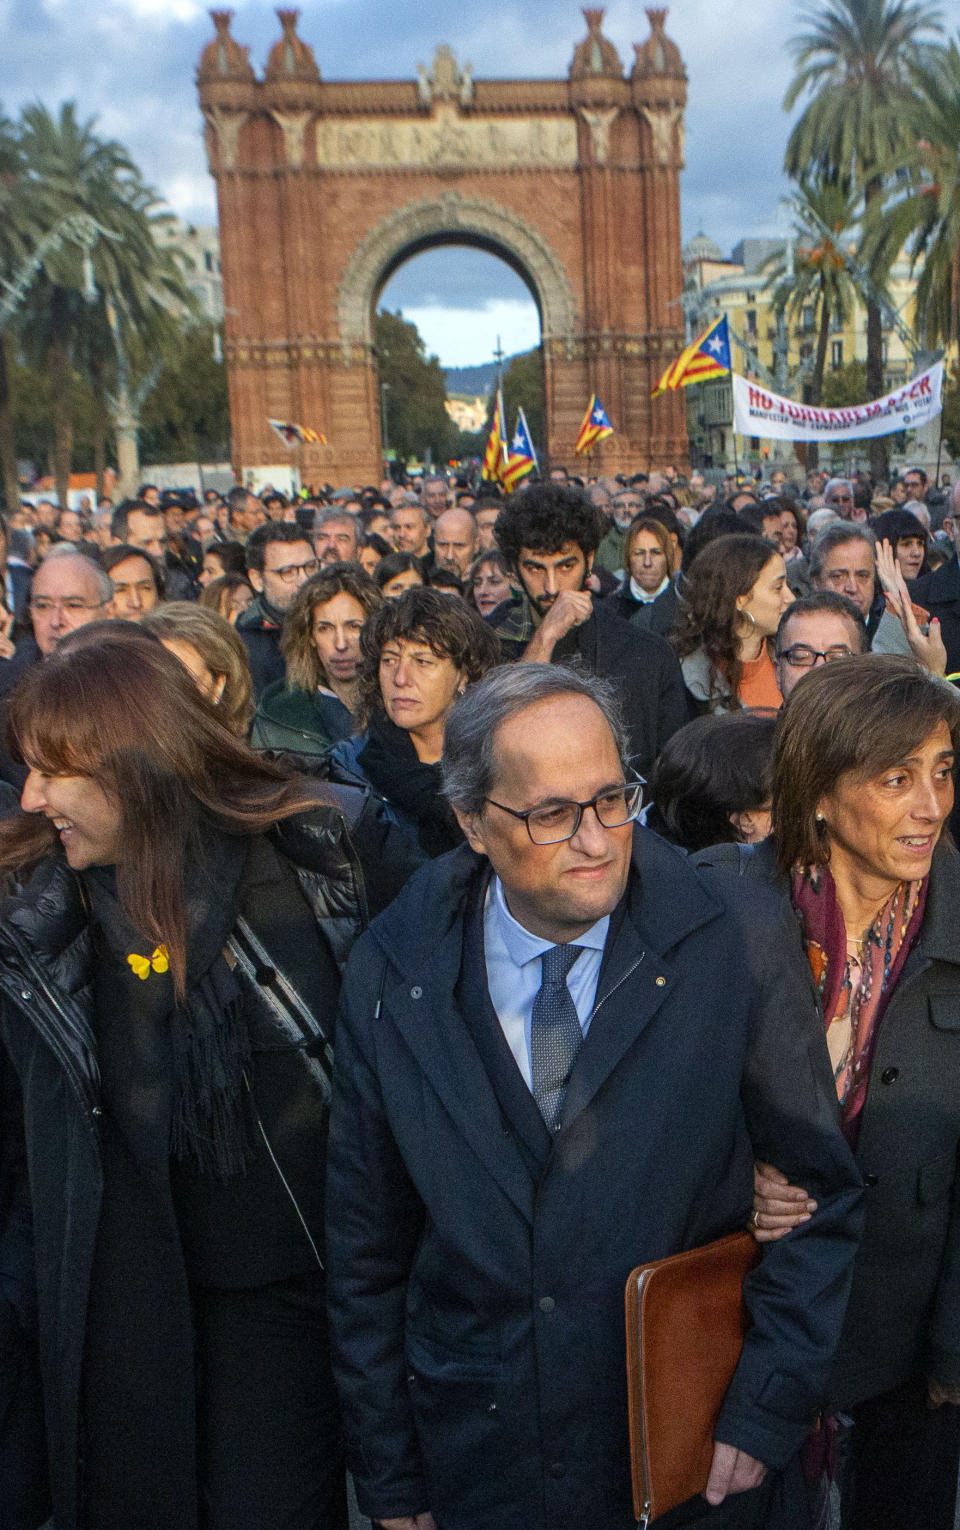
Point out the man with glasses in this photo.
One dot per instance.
(67, 592)
(557, 1054)
(815, 630)
(625, 506)
(280, 558)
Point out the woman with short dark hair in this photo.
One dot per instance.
(417, 655)
(179, 912)
(397, 572)
(488, 582)
(711, 781)
(862, 790)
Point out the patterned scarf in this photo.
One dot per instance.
(855, 985)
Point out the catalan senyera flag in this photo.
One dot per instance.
(702, 359)
(296, 435)
(495, 456)
(521, 458)
(596, 426)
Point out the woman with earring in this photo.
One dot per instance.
(176, 917)
(417, 655)
(733, 597)
(862, 790)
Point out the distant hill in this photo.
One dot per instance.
(474, 382)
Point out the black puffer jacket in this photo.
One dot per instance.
(47, 1027)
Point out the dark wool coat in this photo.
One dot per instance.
(904, 1312)
(46, 1025)
(477, 1263)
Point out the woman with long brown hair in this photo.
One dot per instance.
(732, 599)
(170, 950)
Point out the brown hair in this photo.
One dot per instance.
(219, 646)
(451, 628)
(860, 715)
(216, 595)
(111, 703)
(726, 569)
(304, 668)
(650, 523)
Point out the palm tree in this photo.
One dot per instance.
(927, 217)
(819, 277)
(854, 62)
(82, 173)
(13, 251)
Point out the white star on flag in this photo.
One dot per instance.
(715, 344)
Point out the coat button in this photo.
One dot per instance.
(661, 982)
(416, 991)
(556, 1469)
(546, 1304)
(889, 1075)
(25, 993)
(96, 1111)
(870, 1180)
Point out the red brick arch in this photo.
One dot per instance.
(325, 188)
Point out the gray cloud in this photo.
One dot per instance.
(131, 63)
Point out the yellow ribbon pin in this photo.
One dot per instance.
(142, 965)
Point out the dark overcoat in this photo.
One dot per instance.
(477, 1274)
(904, 1313)
(47, 1027)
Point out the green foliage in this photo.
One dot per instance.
(416, 417)
(186, 416)
(926, 217)
(523, 386)
(845, 385)
(951, 412)
(95, 309)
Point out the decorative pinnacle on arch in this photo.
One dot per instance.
(596, 56)
(224, 58)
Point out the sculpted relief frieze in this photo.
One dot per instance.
(446, 138)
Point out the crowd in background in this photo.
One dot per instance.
(240, 730)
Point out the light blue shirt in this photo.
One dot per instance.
(514, 972)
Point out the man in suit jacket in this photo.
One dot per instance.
(507, 1142)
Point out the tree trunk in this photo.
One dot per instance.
(816, 381)
(100, 424)
(879, 459)
(8, 448)
(58, 364)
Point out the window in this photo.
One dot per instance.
(751, 317)
(208, 260)
(807, 321)
(836, 354)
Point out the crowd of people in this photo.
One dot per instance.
(419, 908)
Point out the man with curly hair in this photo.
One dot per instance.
(549, 536)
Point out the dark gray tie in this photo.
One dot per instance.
(555, 1034)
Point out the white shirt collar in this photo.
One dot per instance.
(646, 597)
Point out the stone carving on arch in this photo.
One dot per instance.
(452, 213)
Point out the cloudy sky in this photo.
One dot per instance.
(131, 64)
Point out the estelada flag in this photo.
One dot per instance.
(702, 359)
(495, 456)
(291, 435)
(521, 458)
(596, 426)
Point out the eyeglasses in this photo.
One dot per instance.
(43, 605)
(557, 821)
(802, 657)
(290, 571)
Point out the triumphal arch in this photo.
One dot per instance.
(325, 187)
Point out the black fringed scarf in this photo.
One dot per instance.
(209, 1044)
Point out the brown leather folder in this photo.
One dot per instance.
(685, 1326)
